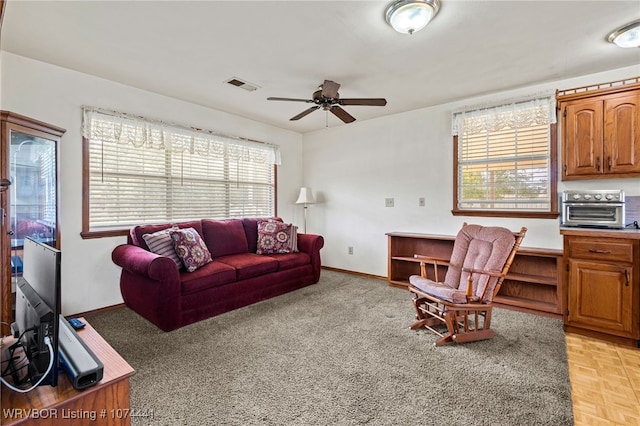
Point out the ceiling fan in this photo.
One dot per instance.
(328, 98)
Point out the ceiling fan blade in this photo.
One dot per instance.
(271, 98)
(330, 89)
(342, 114)
(305, 112)
(363, 101)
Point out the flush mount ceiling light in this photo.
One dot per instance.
(627, 35)
(409, 16)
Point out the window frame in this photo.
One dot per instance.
(553, 212)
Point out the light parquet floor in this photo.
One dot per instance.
(605, 382)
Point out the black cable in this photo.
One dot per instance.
(11, 367)
(10, 361)
(18, 344)
(50, 367)
(16, 369)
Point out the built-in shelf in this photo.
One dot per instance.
(533, 284)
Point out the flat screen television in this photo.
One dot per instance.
(38, 306)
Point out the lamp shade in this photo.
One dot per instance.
(305, 196)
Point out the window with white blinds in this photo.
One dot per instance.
(504, 158)
(147, 172)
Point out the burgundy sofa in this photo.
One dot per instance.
(170, 298)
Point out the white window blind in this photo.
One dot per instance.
(142, 171)
(504, 157)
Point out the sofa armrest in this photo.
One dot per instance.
(311, 244)
(150, 285)
(142, 262)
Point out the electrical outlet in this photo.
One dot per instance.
(350, 249)
(421, 201)
(388, 202)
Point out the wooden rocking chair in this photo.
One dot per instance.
(479, 262)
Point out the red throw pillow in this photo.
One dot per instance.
(190, 248)
(276, 237)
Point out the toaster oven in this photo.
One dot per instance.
(593, 209)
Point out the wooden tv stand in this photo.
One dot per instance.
(533, 284)
(107, 403)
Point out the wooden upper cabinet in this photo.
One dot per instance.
(601, 133)
(583, 138)
(622, 134)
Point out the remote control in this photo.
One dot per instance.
(76, 323)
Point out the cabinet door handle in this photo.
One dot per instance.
(598, 163)
(609, 162)
(599, 251)
(626, 276)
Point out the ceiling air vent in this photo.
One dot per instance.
(250, 87)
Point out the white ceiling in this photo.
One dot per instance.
(187, 50)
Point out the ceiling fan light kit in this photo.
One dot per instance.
(627, 35)
(410, 16)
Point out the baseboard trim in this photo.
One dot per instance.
(97, 311)
(360, 274)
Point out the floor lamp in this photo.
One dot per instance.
(305, 197)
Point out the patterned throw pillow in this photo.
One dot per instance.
(190, 248)
(161, 243)
(276, 237)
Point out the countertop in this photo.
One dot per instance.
(629, 233)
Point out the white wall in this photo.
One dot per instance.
(406, 156)
(54, 95)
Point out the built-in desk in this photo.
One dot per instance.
(107, 403)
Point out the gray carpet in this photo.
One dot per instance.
(340, 353)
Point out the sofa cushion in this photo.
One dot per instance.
(161, 243)
(249, 265)
(190, 248)
(250, 225)
(213, 274)
(137, 232)
(224, 237)
(291, 260)
(276, 237)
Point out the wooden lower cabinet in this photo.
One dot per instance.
(601, 297)
(533, 284)
(603, 284)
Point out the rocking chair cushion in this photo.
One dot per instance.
(479, 247)
(440, 290)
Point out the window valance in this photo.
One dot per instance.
(512, 115)
(122, 128)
